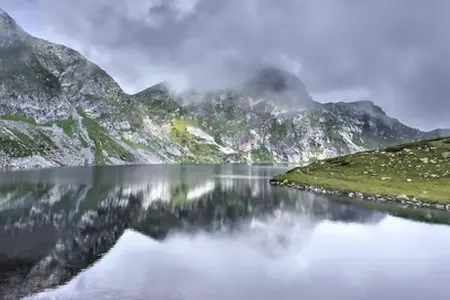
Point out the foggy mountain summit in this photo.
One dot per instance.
(342, 55)
(281, 88)
(58, 108)
(272, 82)
(275, 80)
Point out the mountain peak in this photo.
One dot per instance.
(9, 29)
(6, 21)
(280, 87)
(271, 79)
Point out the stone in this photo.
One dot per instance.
(439, 206)
(424, 160)
(402, 197)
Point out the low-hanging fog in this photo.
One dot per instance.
(392, 52)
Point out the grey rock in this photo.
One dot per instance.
(402, 197)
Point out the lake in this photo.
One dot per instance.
(208, 232)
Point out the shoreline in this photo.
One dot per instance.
(389, 199)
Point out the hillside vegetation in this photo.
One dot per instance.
(419, 171)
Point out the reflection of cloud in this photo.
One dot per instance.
(200, 190)
(287, 258)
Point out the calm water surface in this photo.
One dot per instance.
(208, 232)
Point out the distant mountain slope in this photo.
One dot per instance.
(58, 108)
(440, 132)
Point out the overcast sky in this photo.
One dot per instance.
(393, 52)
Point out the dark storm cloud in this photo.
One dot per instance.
(397, 50)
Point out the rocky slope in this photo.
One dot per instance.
(57, 108)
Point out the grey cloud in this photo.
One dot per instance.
(397, 50)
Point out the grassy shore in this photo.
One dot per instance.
(418, 170)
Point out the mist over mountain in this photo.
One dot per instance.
(58, 108)
(395, 57)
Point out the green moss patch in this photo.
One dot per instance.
(419, 169)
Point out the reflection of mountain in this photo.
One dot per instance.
(73, 216)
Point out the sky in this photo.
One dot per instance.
(394, 53)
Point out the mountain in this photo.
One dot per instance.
(58, 108)
(440, 132)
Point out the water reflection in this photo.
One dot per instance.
(55, 222)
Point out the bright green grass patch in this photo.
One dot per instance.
(201, 151)
(420, 169)
(103, 141)
(179, 133)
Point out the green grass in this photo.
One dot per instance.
(179, 133)
(21, 145)
(19, 118)
(201, 151)
(67, 125)
(419, 169)
(103, 141)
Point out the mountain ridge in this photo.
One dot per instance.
(58, 108)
